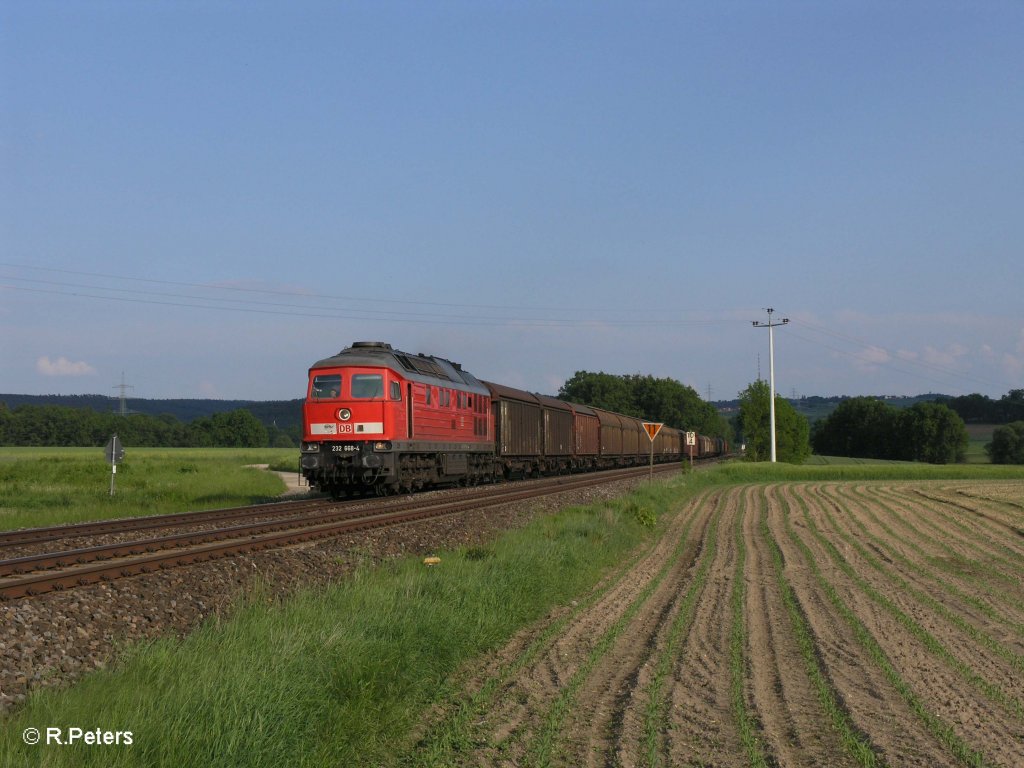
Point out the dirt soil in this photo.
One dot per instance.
(910, 594)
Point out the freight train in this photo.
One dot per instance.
(379, 420)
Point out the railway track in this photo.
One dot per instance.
(236, 532)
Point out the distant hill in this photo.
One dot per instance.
(283, 414)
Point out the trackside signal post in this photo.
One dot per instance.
(114, 452)
(652, 429)
(691, 439)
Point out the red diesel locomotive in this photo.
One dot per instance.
(379, 419)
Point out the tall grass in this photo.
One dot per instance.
(48, 486)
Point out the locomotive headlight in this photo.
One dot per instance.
(344, 414)
(383, 445)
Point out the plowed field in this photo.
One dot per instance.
(828, 624)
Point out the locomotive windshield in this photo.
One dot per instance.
(367, 385)
(327, 387)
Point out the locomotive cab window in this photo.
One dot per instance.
(367, 385)
(327, 387)
(396, 390)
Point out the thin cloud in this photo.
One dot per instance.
(63, 367)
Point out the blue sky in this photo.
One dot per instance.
(211, 196)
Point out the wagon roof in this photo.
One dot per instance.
(427, 369)
(607, 417)
(510, 393)
(586, 410)
(552, 402)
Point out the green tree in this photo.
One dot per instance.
(1007, 446)
(644, 396)
(861, 427)
(791, 429)
(235, 429)
(600, 390)
(1011, 406)
(931, 432)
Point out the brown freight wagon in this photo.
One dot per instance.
(518, 428)
(587, 436)
(611, 438)
(632, 432)
(558, 438)
(673, 442)
(707, 446)
(666, 444)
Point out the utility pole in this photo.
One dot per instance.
(771, 369)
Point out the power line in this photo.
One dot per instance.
(313, 295)
(235, 305)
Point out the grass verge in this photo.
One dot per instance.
(51, 486)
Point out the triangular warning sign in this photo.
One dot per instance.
(652, 429)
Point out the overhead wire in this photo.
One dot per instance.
(314, 295)
(192, 301)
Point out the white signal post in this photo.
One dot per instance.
(652, 429)
(771, 370)
(114, 452)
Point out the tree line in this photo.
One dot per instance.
(645, 397)
(982, 409)
(54, 425)
(863, 427)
